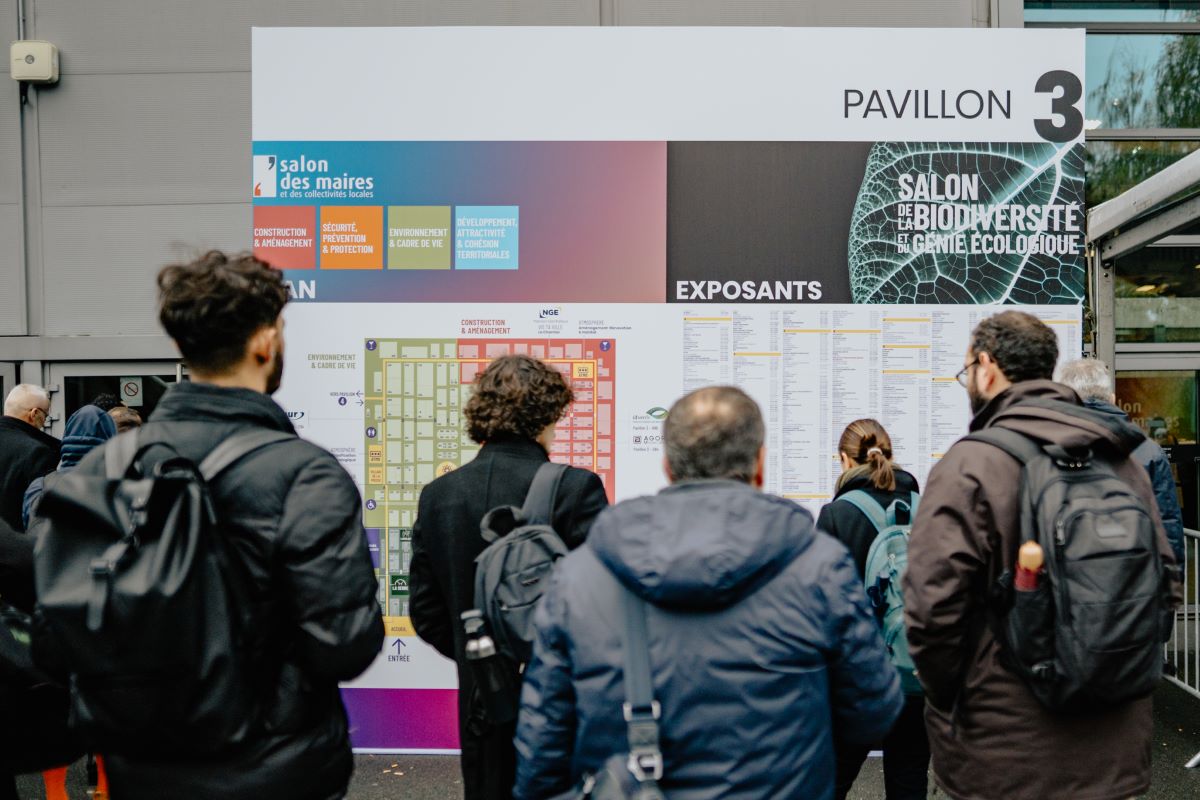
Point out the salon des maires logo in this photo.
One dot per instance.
(266, 176)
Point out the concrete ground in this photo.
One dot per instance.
(1176, 739)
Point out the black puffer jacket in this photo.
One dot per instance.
(295, 517)
(850, 526)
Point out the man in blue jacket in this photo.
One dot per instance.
(760, 641)
(1092, 381)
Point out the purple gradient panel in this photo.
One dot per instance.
(402, 719)
(593, 221)
(373, 545)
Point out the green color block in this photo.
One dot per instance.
(419, 237)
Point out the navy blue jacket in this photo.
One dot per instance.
(1151, 456)
(760, 642)
(87, 429)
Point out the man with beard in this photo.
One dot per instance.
(989, 735)
(293, 518)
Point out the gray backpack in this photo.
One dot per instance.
(512, 572)
(1090, 635)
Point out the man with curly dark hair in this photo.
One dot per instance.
(293, 518)
(516, 403)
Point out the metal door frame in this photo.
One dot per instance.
(8, 378)
(57, 373)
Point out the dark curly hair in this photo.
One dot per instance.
(1023, 347)
(516, 395)
(212, 306)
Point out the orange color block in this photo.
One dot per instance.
(352, 237)
(286, 236)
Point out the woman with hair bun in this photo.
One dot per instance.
(865, 451)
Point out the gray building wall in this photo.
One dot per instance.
(140, 155)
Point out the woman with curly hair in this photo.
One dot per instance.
(516, 403)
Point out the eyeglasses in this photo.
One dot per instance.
(961, 377)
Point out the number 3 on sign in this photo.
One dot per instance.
(1069, 90)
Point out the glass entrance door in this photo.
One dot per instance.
(1159, 393)
(138, 385)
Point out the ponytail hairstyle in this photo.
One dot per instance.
(866, 443)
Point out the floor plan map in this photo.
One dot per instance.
(414, 395)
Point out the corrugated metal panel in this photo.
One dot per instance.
(146, 139)
(188, 36)
(11, 301)
(10, 119)
(101, 262)
(848, 13)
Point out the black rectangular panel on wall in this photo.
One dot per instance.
(762, 211)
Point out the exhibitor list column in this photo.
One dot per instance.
(806, 407)
(949, 411)
(907, 350)
(707, 358)
(756, 369)
(854, 375)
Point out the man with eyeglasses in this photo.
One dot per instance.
(26, 452)
(989, 735)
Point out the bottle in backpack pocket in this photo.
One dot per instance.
(1030, 566)
(495, 678)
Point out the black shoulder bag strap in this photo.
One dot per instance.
(642, 711)
(123, 450)
(999, 597)
(1017, 445)
(539, 502)
(237, 447)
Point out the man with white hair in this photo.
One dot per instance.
(1092, 381)
(26, 452)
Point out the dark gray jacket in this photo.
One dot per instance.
(294, 516)
(760, 641)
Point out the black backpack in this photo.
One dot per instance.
(34, 735)
(141, 604)
(1090, 635)
(511, 573)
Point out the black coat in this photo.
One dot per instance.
(25, 455)
(850, 526)
(16, 568)
(446, 538)
(294, 516)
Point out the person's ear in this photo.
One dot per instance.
(985, 373)
(760, 468)
(262, 345)
(667, 470)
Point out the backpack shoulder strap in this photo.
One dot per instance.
(1017, 445)
(642, 711)
(869, 506)
(539, 501)
(119, 453)
(237, 447)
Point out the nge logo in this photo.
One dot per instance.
(266, 176)
(550, 312)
